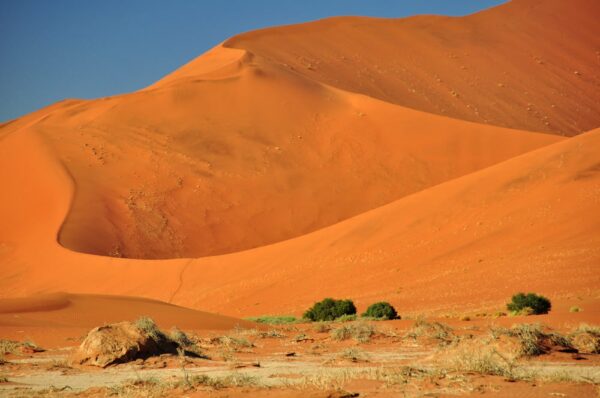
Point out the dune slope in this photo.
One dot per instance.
(240, 153)
(529, 223)
(527, 64)
(241, 184)
(89, 311)
(59, 319)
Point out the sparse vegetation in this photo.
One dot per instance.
(586, 339)
(434, 330)
(271, 334)
(180, 337)
(381, 310)
(322, 327)
(274, 319)
(354, 355)
(360, 331)
(575, 309)
(488, 362)
(301, 337)
(234, 343)
(148, 326)
(530, 303)
(235, 379)
(346, 318)
(532, 339)
(330, 309)
(14, 347)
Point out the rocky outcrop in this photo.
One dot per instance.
(121, 342)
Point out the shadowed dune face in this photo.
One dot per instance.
(237, 153)
(528, 64)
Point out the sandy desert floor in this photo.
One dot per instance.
(424, 357)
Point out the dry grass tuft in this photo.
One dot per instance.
(433, 330)
(359, 331)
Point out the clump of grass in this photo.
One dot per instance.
(525, 311)
(354, 355)
(586, 339)
(575, 309)
(271, 334)
(488, 362)
(434, 330)
(180, 337)
(13, 347)
(346, 318)
(149, 327)
(234, 342)
(532, 339)
(8, 346)
(231, 380)
(301, 337)
(361, 332)
(322, 327)
(3, 379)
(274, 319)
(58, 365)
(591, 329)
(150, 388)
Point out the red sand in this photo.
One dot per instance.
(266, 186)
(57, 320)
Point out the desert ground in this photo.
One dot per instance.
(441, 164)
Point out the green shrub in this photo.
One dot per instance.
(538, 304)
(381, 310)
(330, 309)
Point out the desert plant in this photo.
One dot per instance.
(575, 309)
(322, 327)
(330, 309)
(274, 319)
(180, 337)
(434, 330)
(346, 318)
(586, 339)
(235, 379)
(381, 310)
(361, 332)
(148, 326)
(521, 301)
(354, 355)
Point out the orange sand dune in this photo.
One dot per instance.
(527, 64)
(57, 320)
(88, 311)
(295, 185)
(530, 223)
(242, 155)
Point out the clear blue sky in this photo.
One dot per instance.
(51, 50)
